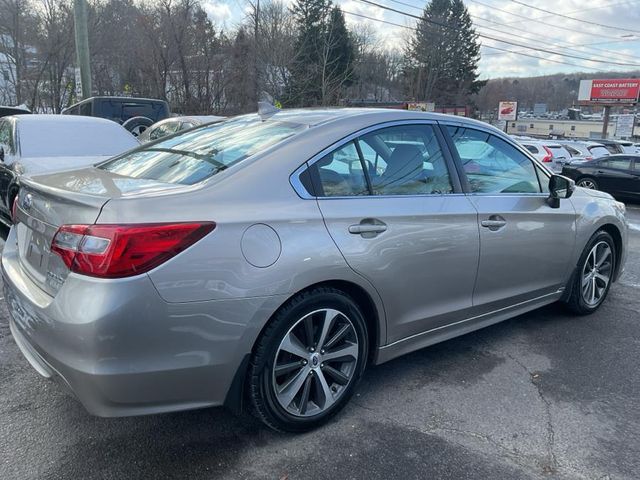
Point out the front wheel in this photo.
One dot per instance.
(593, 275)
(308, 361)
(588, 182)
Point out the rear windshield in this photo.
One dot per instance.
(598, 151)
(201, 153)
(558, 150)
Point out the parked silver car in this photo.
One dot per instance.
(270, 259)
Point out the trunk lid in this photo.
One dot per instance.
(47, 201)
(40, 211)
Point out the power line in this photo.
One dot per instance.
(508, 42)
(563, 27)
(484, 46)
(565, 45)
(575, 19)
(608, 5)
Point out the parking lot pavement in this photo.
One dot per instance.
(544, 395)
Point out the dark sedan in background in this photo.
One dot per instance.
(618, 175)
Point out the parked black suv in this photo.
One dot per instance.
(134, 114)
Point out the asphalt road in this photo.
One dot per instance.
(544, 395)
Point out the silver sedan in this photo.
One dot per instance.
(266, 260)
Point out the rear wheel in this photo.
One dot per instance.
(594, 274)
(308, 361)
(587, 182)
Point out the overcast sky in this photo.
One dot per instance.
(516, 22)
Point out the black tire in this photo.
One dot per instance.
(261, 378)
(590, 180)
(137, 125)
(576, 301)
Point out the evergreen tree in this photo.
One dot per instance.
(324, 54)
(337, 58)
(443, 55)
(310, 17)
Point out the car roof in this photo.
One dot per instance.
(320, 116)
(44, 118)
(195, 118)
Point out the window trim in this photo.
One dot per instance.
(489, 131)
(454, 175)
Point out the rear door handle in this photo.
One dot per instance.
(368, 228)
(494, 222)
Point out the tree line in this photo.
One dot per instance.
(302, 55)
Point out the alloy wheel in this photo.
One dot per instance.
(586, 183)
(596, 273)
(315, 362)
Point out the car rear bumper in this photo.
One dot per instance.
(122, 350)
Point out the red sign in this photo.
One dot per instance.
(619, 90)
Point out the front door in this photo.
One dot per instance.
(398, 217)
(525, 245)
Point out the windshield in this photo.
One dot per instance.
(201, 153)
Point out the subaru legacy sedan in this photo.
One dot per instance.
(264, 262)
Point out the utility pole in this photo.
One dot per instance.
(256, 67)
(82, 45)
(605, 122)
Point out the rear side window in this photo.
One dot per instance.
(623, 163)
(198, 154)
(531, 148)
(341, 174)
(402, 160)
(572, 151)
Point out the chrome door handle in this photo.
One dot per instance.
(494, 222)
(368, 228)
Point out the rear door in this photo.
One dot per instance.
(525, 245)
(397, 214)
(614, 175)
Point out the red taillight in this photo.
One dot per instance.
(14, 210)
(549, 156)
(116, 251)
(588, 159)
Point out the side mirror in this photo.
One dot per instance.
(559, 187)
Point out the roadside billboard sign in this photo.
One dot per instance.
(617, 91)
(508, 111)
(624, 125)
(421, 106)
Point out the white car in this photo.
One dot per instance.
(172, 125)
(34, 144)
(585, 150)
(551, 153)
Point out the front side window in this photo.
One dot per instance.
(493, 165)
(198, 154)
